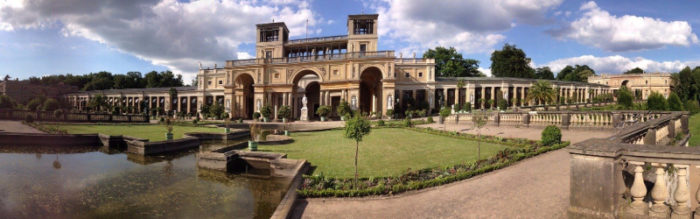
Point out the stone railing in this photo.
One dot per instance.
(645, 170)
(313, 58)
(69, 117)
(567, 119)
(317, 39)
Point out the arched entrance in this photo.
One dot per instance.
(370, 90)
(306, 83)
(244, 96)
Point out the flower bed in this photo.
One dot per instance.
(322, 186)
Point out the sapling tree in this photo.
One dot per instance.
(356, 128)
(479, 120)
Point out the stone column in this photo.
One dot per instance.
(650, 137)
(482, 101)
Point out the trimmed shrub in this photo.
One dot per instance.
(390, 113)
(380, 123)
(195, 121)
(284, 112)
(29, 119)
(467, 107)
(656, 101)
(34, 104)
(407, 122)
(502, 104)
(674, 102)
(344, 109)
(430, 119)
(445, 112)
(50, 104)
(551, 135)
(323, 111)
(692, 106)
(256, 115)
(58, 113)
(266, 111)
(216, 110)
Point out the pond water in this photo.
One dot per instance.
(80, 182)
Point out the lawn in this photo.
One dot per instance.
(151, 132)
(384, 152)
(694, 126)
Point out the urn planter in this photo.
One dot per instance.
(252, 145)
(169, 136)
(323, 118)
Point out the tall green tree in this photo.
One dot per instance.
(544, 73)
(450, 63)
(656, 101)
(577, 73)
(625, 97)
(674, 102)
(635, 70)
(511, 62)
(356, 128)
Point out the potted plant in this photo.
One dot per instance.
(169, 127)
(255, 132)
(226, 124)
(323, 111)
(444, 113)
(284, 112)
(256, 116)
(390, 113)
(343, 110)
(491, 103)
(266, 111)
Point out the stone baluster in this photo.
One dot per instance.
(638, 192)
(659, 194)
(682, 195)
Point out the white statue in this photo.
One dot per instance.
(259, 105)
(389, 102)
(471, 98)
(304, 101)
(304, 111)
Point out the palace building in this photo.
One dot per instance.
(642, 85)
(328, 70)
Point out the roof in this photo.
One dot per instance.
(512, 79)
(363, 16)
(138, 90)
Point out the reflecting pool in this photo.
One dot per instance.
(79, 182)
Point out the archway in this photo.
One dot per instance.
(625, 82)
(244, 96)
(306, 83)
(370, 90)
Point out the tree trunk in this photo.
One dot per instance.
(357, 148)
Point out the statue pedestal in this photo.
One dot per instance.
(304, 114)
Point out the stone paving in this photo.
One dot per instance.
(534, 188)
(17, 127)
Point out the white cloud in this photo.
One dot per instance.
(244, 55)
(486, 71)
(470, 27)
(599, 28)
(174, 34)
(617, 64)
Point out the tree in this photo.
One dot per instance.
(636, 70)
(479, 120)
(511, 62)
(577, 73)
(50, 104)
(34, 104)
(216, 110)
(6, 102)
(541, 91)
(624, 97)
(450, 63)
(173, 96)
(544, 73)
(98, 102)
(674, 102)
(656, 101)
(356, 128)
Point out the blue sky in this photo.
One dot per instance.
(81, 36)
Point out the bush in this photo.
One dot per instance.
(674, 102)
(284, 112)
(467, 107)
(421, 113)
(162, 119)
(256, 115)
(390, 113)
(266, 111)
(502, 104)
(323, 111)
(223, 115)
(407, 122)
(380, 123)
(551, 135)
(344, 109)
(624, 97)
(34, 104)
(216, 110)
(692, 106)
(51, 104)
(195, 121)
(6, 102)
(430, 119)
(445, 112)
(29, 119)
(656, 101)
(58, 113)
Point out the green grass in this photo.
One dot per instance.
(694, 126)
(150, 132)
(384, 152)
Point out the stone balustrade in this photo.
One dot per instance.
(643, 171)
(571, 119)
(70, 117)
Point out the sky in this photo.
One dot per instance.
(45, 37)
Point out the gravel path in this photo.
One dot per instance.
(534, 188)
(16, 126)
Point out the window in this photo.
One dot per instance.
(335, 72)
(647, 82)
(420, 74)
(268, 54)
(208, 82)
(363, 26)
(221, 82)
(408, 75)
(277, 75)
(269, 35)
(363, 47)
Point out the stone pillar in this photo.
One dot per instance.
(617, 119)
(526, 119)
(483, 98)
(650, 137)
(671, 129)
(497, 118)
(565, 121)
(684, 123)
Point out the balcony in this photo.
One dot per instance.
(317, 39)
(303, 59)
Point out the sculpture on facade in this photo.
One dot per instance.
(304, 110)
